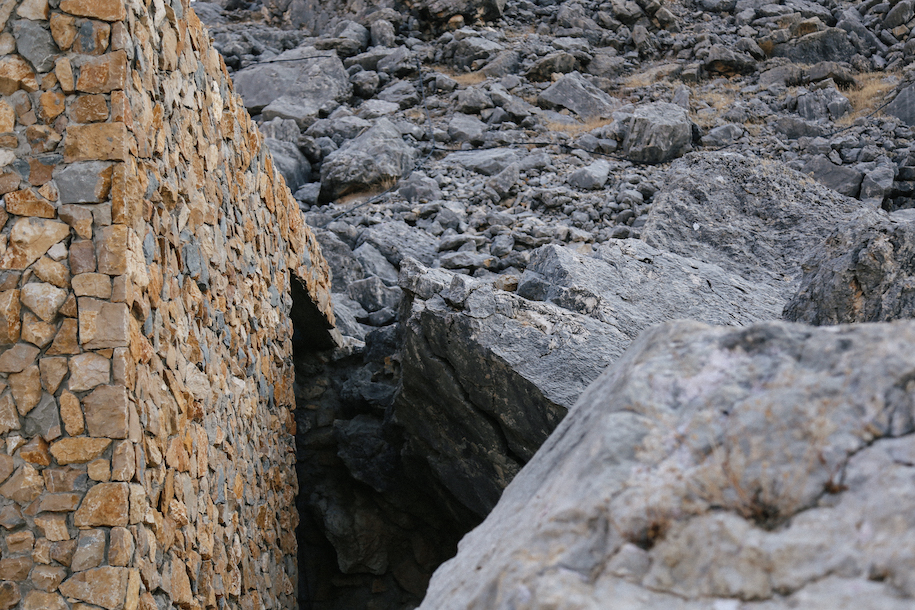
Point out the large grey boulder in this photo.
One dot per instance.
(831, 44)
(761, 468)
(295, 86)
(375, 157)
(753, 217)
(864, 272)
(291, 163)
(573, 91)
(841, 179)
(903, 106)
(486, 10)
(655, 133)
(487, 374)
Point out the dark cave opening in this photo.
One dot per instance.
(373, 524)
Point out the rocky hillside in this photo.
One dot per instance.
(509, 194)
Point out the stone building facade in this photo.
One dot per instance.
(147, 259)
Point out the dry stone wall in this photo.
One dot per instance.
(147, 259)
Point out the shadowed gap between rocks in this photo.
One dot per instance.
(373, 524)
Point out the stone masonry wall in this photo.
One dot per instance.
(147, 255)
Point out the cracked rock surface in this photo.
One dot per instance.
(761, 467)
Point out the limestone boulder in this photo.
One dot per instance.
(714, 467)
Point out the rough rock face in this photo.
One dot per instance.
(656, 133)
(714, 466)
(146, 276)
(863, 273)
(750, 216)
(474, 402)
(377, 155)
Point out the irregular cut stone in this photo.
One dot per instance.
(102, 324)
(105, 504)
(29, 203)
(106, 410)
(17, 358)
(106, 10)
(43, 299)
(10, 322)
(78, 450)
(656, 133)
(87, 182)
(105, 587)
(24, 486)
(9, 416)
(40, 600)
(96, 141)
(29, 239)
(15, 74)
(88, 371)
(71, 413)
(574, 92)
(26, 388)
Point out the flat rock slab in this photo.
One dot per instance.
(714, 467)
(757, 218)
(575, 92)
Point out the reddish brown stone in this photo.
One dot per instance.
(66, 341)
(47, 578)
(15, 74)
(106, 10)
(106, 411)
(10, 324)
(82, 257)
(105, 504)
(78, 450)
(89, 109)
(7, 117)
(103, 74)
(24, 486)
(60, 502)
(64, 73)
(71, 413)
(28, 203)
(63, 29)
(9, 595)
(53, 526)
(15, 568)
(40, 600)
(96, 141)
(93, 37)
(51, 104)
(42, 138)
(36, 452)
(39, 173)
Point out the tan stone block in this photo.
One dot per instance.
(20, 542)
(69, 308)
(62, 552)
(90, 552)
(9, 416)
(24, 486)
(63, 30)
(96, 142)
(106, 10)
(49, 270)
(93, 38)
(105, 504)
(103, 325)
(64, 72)
(28, 203)
(41, 138)
(35, 331)
(53, 527)
(43, 299)
(42, 551)
(71, 413)
(15, 74)
(29, 239)
(48, 578)
(36, 452)
(111, 249)
(15, 568)
(17, 358)
(107, 412)
(59, 502)
(64, 479)
(53, 371)
(126, 195)
(92, 285)
(82, 257)
(9, 595)
(78, 449)
(7, 117)
(120, 550)
(51, 104)
(26, 388)
(103, 74)
(181, 585)
(10, 324)
(66, 341)
(88, 371)
(7, 465)
(36, 10)
(123, 466)
(41, 600)
(89, 109)
(100, 470)
(139, 504)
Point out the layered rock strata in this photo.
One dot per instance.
(148, 256)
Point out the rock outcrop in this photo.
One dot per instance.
(713, 466)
